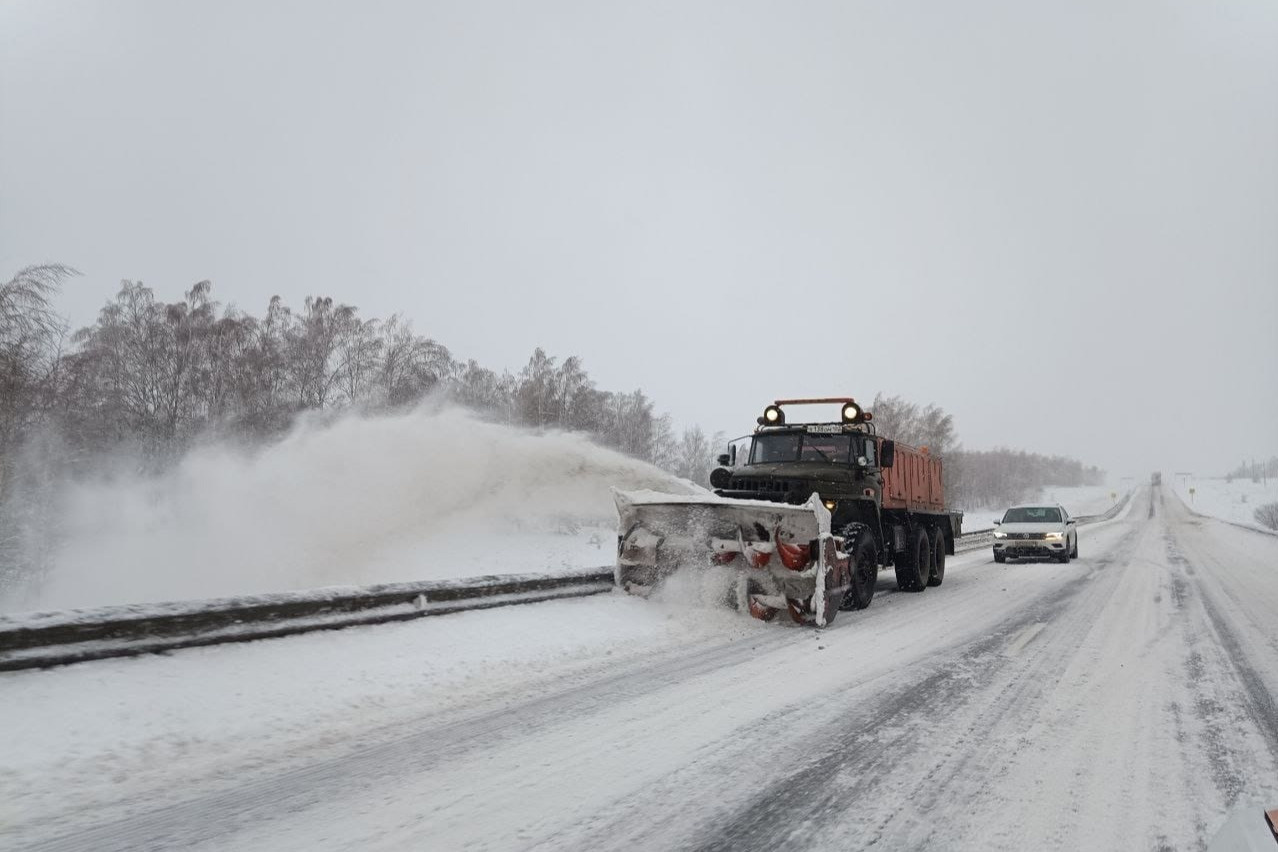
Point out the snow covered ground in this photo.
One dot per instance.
(1077, 500)
(1235, 501)
(158, 720)
(1123, 701)
(416, 496)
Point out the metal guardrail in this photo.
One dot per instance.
(58, 638)
(39, 640)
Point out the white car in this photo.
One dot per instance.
(1036, 531)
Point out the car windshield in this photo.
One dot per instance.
(1033, 515)
(801, 446)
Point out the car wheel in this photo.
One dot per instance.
(998, 557)
(1075, 553)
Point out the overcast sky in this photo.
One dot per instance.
(1059, 221)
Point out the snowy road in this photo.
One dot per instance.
(1125, 701)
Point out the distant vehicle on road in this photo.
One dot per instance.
(1036, 531)
(1156, 478)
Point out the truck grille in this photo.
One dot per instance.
(767, 486)
(1027, 536)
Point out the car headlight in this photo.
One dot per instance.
(1053, 536)
(1000, 535)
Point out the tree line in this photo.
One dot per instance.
(1256, 471)
(977, 478)
(155, 376)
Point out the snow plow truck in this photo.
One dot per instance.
(804, 514)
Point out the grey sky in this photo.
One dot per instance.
(1057, 220)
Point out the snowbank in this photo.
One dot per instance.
(1234, 501)
(417, 496)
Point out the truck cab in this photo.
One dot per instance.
(790, 463)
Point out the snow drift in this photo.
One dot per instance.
(364, 499)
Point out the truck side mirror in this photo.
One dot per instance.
(887, 453)
(723, 459)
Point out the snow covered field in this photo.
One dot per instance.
(1234, 501)
(1123, 701)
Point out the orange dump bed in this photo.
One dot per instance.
(913, 482)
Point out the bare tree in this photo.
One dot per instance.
(31, 335)
(412, 366)
(694, 456)
(909, 423)
(538, 402)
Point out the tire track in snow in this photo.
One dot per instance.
(1254, 697)
(420, 748)
(861, 761)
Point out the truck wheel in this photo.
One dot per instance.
(865, 574)
(938, 559)
(915, 565)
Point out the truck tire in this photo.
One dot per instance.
(865, 574)
(938, 559)
(915, 565)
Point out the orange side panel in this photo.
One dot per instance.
(914, 482)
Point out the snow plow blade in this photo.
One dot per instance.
(783, 556)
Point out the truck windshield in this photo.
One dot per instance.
(801, 446)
